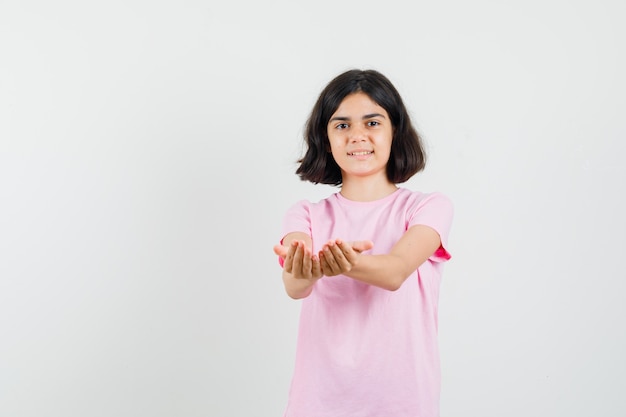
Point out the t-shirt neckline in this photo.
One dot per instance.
(386, 198)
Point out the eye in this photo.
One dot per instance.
(373, 123)
(341, 126)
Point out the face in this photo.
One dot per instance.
(360, 135)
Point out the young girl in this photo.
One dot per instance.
(367, 261)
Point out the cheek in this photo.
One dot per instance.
(333, 143)
(334, 152)
(387, 149)
(337, 151)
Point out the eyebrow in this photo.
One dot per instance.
(367, 116)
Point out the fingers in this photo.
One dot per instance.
(337, 257)
(288, 265)
(316, 268)
(297, 258)
(326, 270)
(281, 251)
(301, 263)
(345, 248)
(306, 264)
(329, 264)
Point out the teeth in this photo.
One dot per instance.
(361, 153)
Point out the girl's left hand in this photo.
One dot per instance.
(338, 257)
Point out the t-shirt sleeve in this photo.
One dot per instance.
(436, 211)
(297, 219)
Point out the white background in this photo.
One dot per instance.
(147, 155)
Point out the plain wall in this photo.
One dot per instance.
(147, 156)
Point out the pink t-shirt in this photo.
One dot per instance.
(364, 351)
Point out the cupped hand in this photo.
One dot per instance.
(299, 261)
(338, 257)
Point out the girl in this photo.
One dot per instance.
(367, 261)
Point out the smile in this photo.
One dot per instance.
(360, 153)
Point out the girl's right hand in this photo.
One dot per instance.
(301, 263)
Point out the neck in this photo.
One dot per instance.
(367, 189)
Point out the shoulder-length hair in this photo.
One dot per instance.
(407, 151)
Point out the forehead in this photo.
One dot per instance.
(359, 103)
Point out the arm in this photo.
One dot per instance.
(301, 269)
(387, 271)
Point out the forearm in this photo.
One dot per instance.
(297, 288)
(384, 271)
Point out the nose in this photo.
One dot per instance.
(357, 134)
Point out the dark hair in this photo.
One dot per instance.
(407, 152)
